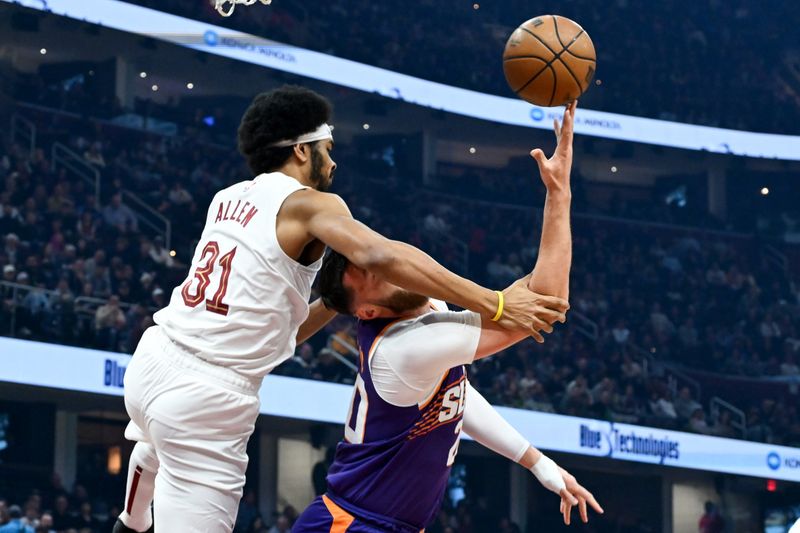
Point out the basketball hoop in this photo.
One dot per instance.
(219, 5)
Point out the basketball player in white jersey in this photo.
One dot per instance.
(191, 387)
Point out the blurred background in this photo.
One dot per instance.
(685, 300)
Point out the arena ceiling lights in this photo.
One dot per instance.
(220, 41)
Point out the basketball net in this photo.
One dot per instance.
(219, 5)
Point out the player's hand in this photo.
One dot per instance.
(531, 312)
(555, 171)
(576, 495)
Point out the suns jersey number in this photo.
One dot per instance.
(354, 428)
(453, 405)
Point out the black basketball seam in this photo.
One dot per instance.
(564, 48)
(558, 35)
(532, 78)
(529, 32)
(549, 63)
(555, 84)
(573, 41)
(526, 57)
(573, 54)
(535, 75)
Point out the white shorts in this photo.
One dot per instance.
(197, 417)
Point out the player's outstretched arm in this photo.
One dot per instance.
(551, 273)
(326, 217)
(484, 424)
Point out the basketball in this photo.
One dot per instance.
(549, 61)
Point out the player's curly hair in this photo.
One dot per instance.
(282, 113)
(334, 294)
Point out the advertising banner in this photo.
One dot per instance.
(83, 370)
(221, 41)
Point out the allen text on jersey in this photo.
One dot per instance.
(239, 213)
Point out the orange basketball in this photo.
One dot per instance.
(549, 61)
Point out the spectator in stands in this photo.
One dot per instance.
(697, 422)
(10, 218)
(12, 251)
(94, 155)
(620, 332)
(108, 323)
(301, 365)
(282, 525)
(160, 255)
(662, 407)
(722, 427)
(9, 273)
(628, 406)
(46, 524)
(15, 523)
(258, 526)
(120, 216)
(757, 429)
(178, 195)
(85, 518)
(685, 404)
(577, 398)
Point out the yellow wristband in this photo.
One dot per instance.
(500, 302)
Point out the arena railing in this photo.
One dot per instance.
(82, 305)
(142, 207)
(738, 418)
(62, 157)
(776, 257)
(23, 132)
(338, 356)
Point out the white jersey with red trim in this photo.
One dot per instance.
(244, 299)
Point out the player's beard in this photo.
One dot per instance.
(401, 301)
(318, 178)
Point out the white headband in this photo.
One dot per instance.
(323, 132)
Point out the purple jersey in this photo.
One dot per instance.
(395, 461)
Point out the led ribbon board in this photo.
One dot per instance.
(83, 370)
(240, 46)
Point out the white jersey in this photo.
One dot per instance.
(244, 299)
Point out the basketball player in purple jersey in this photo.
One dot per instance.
(191, 388)
(412, 398)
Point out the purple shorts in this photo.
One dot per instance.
(325, 516)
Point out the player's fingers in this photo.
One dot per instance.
(557, 128)
(551, 317)
(567, 496)
(569, 120)
(571, 109)
(542, 325)
(582, 508)
(590, 498)
(567, 513)
(553, 302)
(537, 336)
(539, 156)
